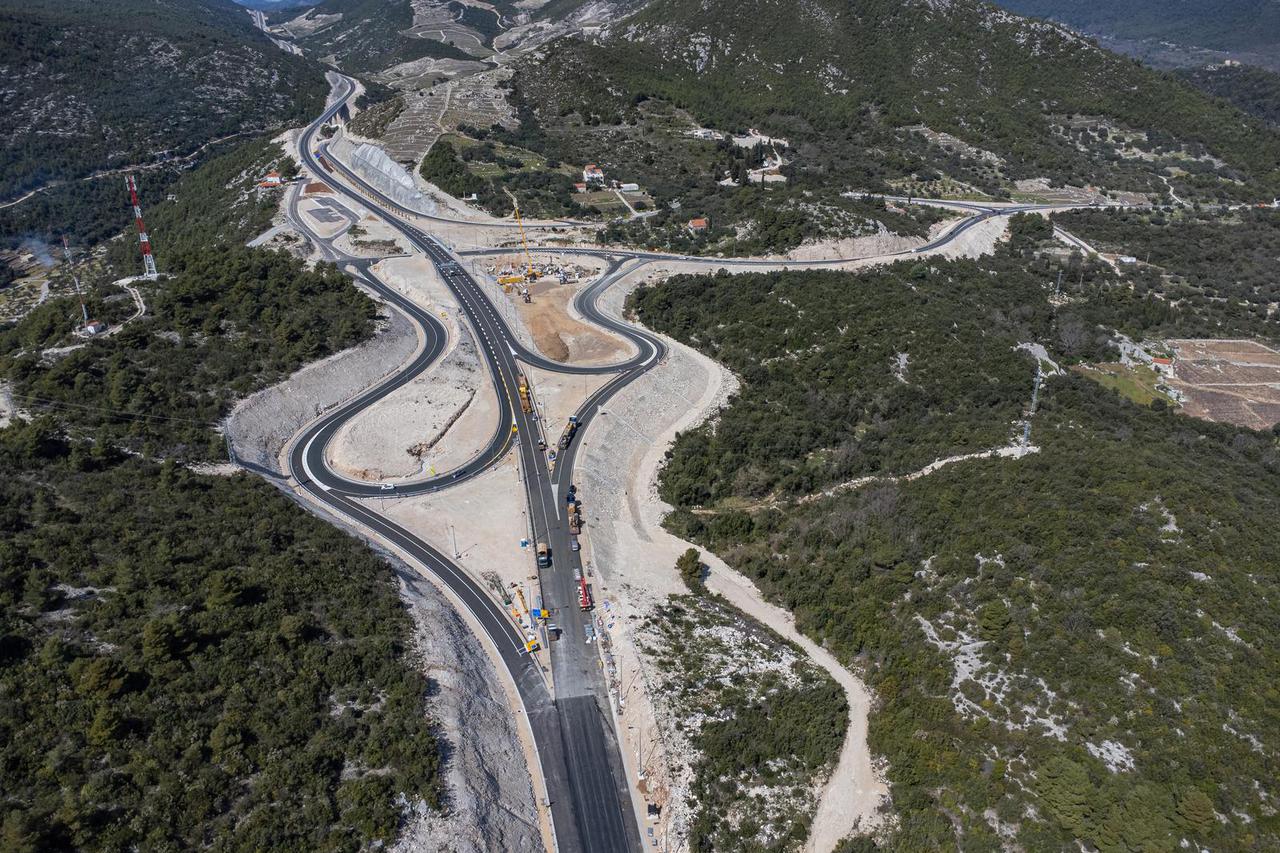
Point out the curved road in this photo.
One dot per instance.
(591, 807)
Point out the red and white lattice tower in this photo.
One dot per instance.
(148, 262)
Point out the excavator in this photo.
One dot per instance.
(530, 274)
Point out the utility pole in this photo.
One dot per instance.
(66, 251)
(148, 262)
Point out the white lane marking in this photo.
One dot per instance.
(306, 450)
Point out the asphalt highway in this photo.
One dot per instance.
(578, 750)
(581, 762)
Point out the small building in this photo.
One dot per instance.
(698, 225)
(630, 188)
(579, 188)
(1127, 260)
(767, 176)
(271, 180)
(592, 174)
(1162, 365)
(95, 327)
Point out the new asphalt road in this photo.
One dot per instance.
(578, 750)
(591, 806)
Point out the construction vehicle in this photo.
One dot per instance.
(584, 594)
(531, 644)
(526, 404)
(524, 294)
(530, 273)
(523, 613)
(569, 429)
(544, 555)
(573, 507)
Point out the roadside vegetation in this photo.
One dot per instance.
(1032, 101)
(1216, 267)
(372, 122)
(764, 722)
(224, 322)
(1071, 647)
(482, 169)
(190, 660)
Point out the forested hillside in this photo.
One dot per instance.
(92, 86)
(1256, 91)
(1218, 268)
(190, 660)
(1220, 24)
(1074, 646)
(846, 84)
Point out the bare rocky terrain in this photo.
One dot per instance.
(263, 423)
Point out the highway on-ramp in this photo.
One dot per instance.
(591, 806)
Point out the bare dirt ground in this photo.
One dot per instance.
(1232, 381)
(559, 336)
(856, 247)
(485, 517)
(440, 419)
(9, 411)
(635, 559)
(261, 424)
(477, 101)
(558, 395)
(491, 805)
(412, 133)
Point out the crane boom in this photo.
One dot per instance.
(524, 241)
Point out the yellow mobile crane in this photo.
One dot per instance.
(530, 273)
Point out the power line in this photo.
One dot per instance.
(117, 412)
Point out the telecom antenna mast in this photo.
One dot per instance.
(148, 262)
(66, 250)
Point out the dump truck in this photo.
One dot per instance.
(575, 521)
(584, 594)
(526, 403)
(544, 555)
(569, 429)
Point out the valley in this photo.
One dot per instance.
(775, 447)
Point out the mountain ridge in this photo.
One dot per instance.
(118, 82)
